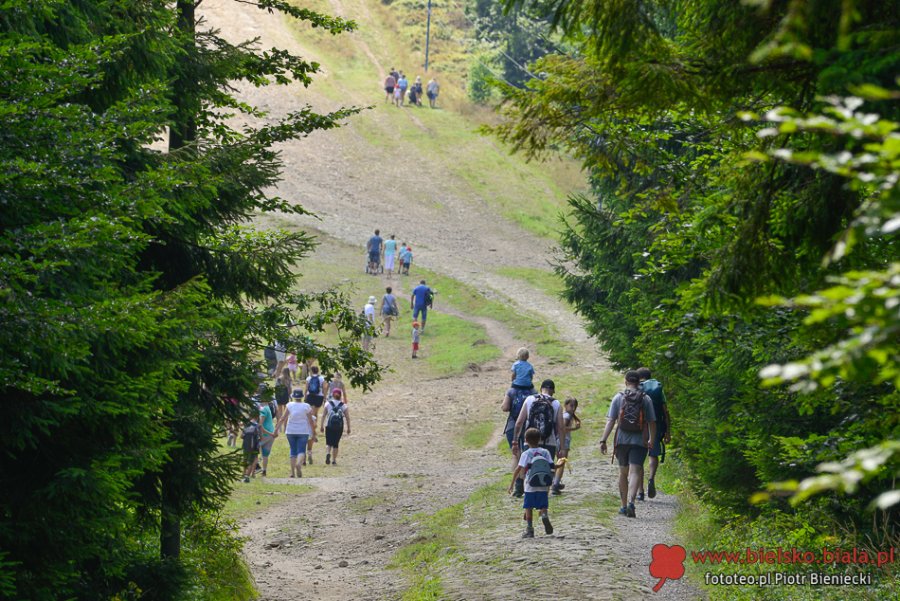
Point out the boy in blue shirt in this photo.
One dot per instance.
(522, 371)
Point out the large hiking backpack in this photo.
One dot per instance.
(540, 472)
(314, 388)
(541, 417)
(335, 416)
(631, 410)
(250, 437)
(518, 401)
(653, 389)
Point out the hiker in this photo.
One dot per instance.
(572, 423)
(406, 259)
(373, 247)
(543, 412)
(418, 89)
(336, 417)
(403, 84)
(395, 74)
(267, 432)
(283, 387)
(522, 371)
(299, 428)
(390, 249)
(432, 90)
(535, 467)
(513, 401)
(369, 315)
(653, 389)
(271, 360)
(337, 383)
(421, 298)
(389, 83)
(293, 365)
(316, 389)
(280, 356)
(413, 99)
(389, 310)
(632, 410)
(416, 334)
(397, 96)
(250, 446)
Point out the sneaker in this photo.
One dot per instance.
(623, 511)
(548, 527)
(651, 488)
(555, 490)
(561, 486)
(246, 479)
(264, 472)
(334, 462)
(327, 458)
(630, 512)
(529, 533)
(640, 496)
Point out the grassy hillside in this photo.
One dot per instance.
(476, 166)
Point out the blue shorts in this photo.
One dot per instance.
(298, 444)
(536, 500)
(510, 430)
(424, 311)
(374, 257)
(658, 449)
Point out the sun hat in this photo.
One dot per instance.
(297, 394)
(373, 300)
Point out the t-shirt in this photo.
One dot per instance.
(416, 334)
(635, 438)
(403, 83)
(389, 305)
(268, 423)
(433, 87)
(390, 247)
(390, 82)
(525, 460)
(553, 441)
(374, 244)
(524, 373)
(297, 418)
(369, 312)
(420, 294)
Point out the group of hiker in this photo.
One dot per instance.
(399, 91)
(420, 300)
(294, 412)
(382, 255)
(539, 432)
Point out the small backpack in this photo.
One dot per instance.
(631, 411)
(314, 388)
(540, 472)
(251, 437)
(429, 298)
(541, 417)
(335, 416)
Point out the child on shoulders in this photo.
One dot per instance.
(522, 371)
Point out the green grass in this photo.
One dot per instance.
(477, 435)
(421, 559)
(545, 280)
(450, 344)
(258, 495)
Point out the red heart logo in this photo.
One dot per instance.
(668, 562)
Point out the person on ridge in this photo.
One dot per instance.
(633, 411)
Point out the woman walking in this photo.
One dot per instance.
(299, 429)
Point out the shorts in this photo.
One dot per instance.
(333, 437)
(388, 261)
(415, 346)
(298, 444)
(659, 449)
(510, 430)
(631, 454)
(265, 445)
(536, 500)
(406, 265)
(250, 457)
(431, 96)
(389, 89)
(374, 257)
(315, 400)
(423, 310)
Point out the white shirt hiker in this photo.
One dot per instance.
(525, 460)
(553, 441)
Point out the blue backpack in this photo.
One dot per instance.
(314, 388)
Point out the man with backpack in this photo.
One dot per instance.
(336, 416)
(421, 298)
(633, 411)
(543, 413)
(653, 389)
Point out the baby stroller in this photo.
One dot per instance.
(375, 268)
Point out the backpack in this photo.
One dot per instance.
(631, 410)
(654, 390)
(540, 472)
(541, 416)
(517, 402)
(314, 388)
(429, 298)
(250, 437)
(335, 416)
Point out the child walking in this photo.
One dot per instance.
(416, 334)
(537, 465)
(250, 438)
(572, 423)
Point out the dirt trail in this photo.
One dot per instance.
(404, 456)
